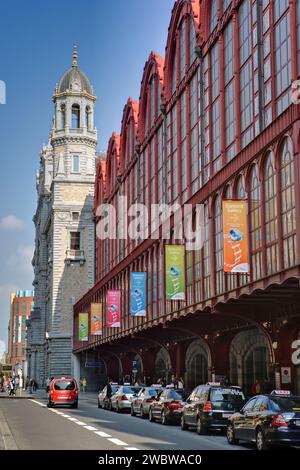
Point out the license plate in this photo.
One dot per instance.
(226, 415)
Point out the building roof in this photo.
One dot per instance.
(75, 79)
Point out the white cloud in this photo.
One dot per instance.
(22, 258)
(11, 222)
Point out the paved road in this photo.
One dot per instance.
(31, 425)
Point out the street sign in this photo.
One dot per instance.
(7, 368)
(92, 364)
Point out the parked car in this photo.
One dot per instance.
(122, 399)
(141, 403)
(103, 400)
(167, 407)
(63, 392)
(267, 420)
(209, 407)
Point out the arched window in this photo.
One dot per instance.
(192, 41)
(288, 211)
(218, 233)
(270, 208)
(206, 255)
(182, 48)
(87, 117)
(75, 116)
(63, 116)
(255, 224)
(240, 188)
(213, 15)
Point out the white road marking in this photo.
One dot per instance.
(90, 428)
(72, 419)
(131, 448)
(38, 403)
(80, 423)
(118, 442)
(102, 434)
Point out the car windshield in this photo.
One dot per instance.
(64, 385)
(153, 392)
(131, 390)
(114, 388)
(227, 394)
(176, 394)
(285, 404)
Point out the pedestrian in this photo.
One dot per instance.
(180, 383)
(17, 382)
(48, 381)
(256, 388)
(12, 391)
(84, 384)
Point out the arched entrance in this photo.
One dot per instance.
(163, 365)
(197, 364)
(250, 359)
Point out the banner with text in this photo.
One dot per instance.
(175, 274)
(113, 309)
(235, 237)
(96, 319)
(138, 294)
(83, 327)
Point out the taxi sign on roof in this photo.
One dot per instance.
(170, 386)
(156, 385)
(281, 392)
(213, 383)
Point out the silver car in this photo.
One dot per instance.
(141, 403)
(122, 399)
(103, 400)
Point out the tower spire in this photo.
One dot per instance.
(74, 64)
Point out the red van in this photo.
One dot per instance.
(63, 392)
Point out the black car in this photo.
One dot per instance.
(267, 420)
(209, 407)
(167, 406)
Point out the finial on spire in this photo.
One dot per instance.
(74, 64)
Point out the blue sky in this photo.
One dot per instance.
(36, 41)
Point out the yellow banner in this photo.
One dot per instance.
(96, 319)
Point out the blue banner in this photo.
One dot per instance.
(138, 294)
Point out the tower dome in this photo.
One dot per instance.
(74, 79)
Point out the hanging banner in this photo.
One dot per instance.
(235, 237)
(175, 274)
(83, 327)
(113, 309)
(96, 319)
(138, 294)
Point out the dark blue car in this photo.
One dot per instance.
(267, 420)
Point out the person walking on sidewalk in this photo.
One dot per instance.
(12, 391)
(84, 384)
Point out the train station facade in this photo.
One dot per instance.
(217, 119)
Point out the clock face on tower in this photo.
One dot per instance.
(75, 86)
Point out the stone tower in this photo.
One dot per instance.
(65, 235)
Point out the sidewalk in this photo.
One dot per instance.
(24, 394)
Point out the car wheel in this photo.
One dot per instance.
(201, 430)
(182, 424)
(142, 414)
(261, 440)
(132, 412)
(151, 417)
(164, 419)
(230, 435)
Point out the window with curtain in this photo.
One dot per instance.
(255, 224)
(213, 15)
(206, 255)
(246, 80)
(267, 53)
(270, 208)
(229, 92)
(218, 234)
(282, 54)
(182, 48)
(288, 210)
